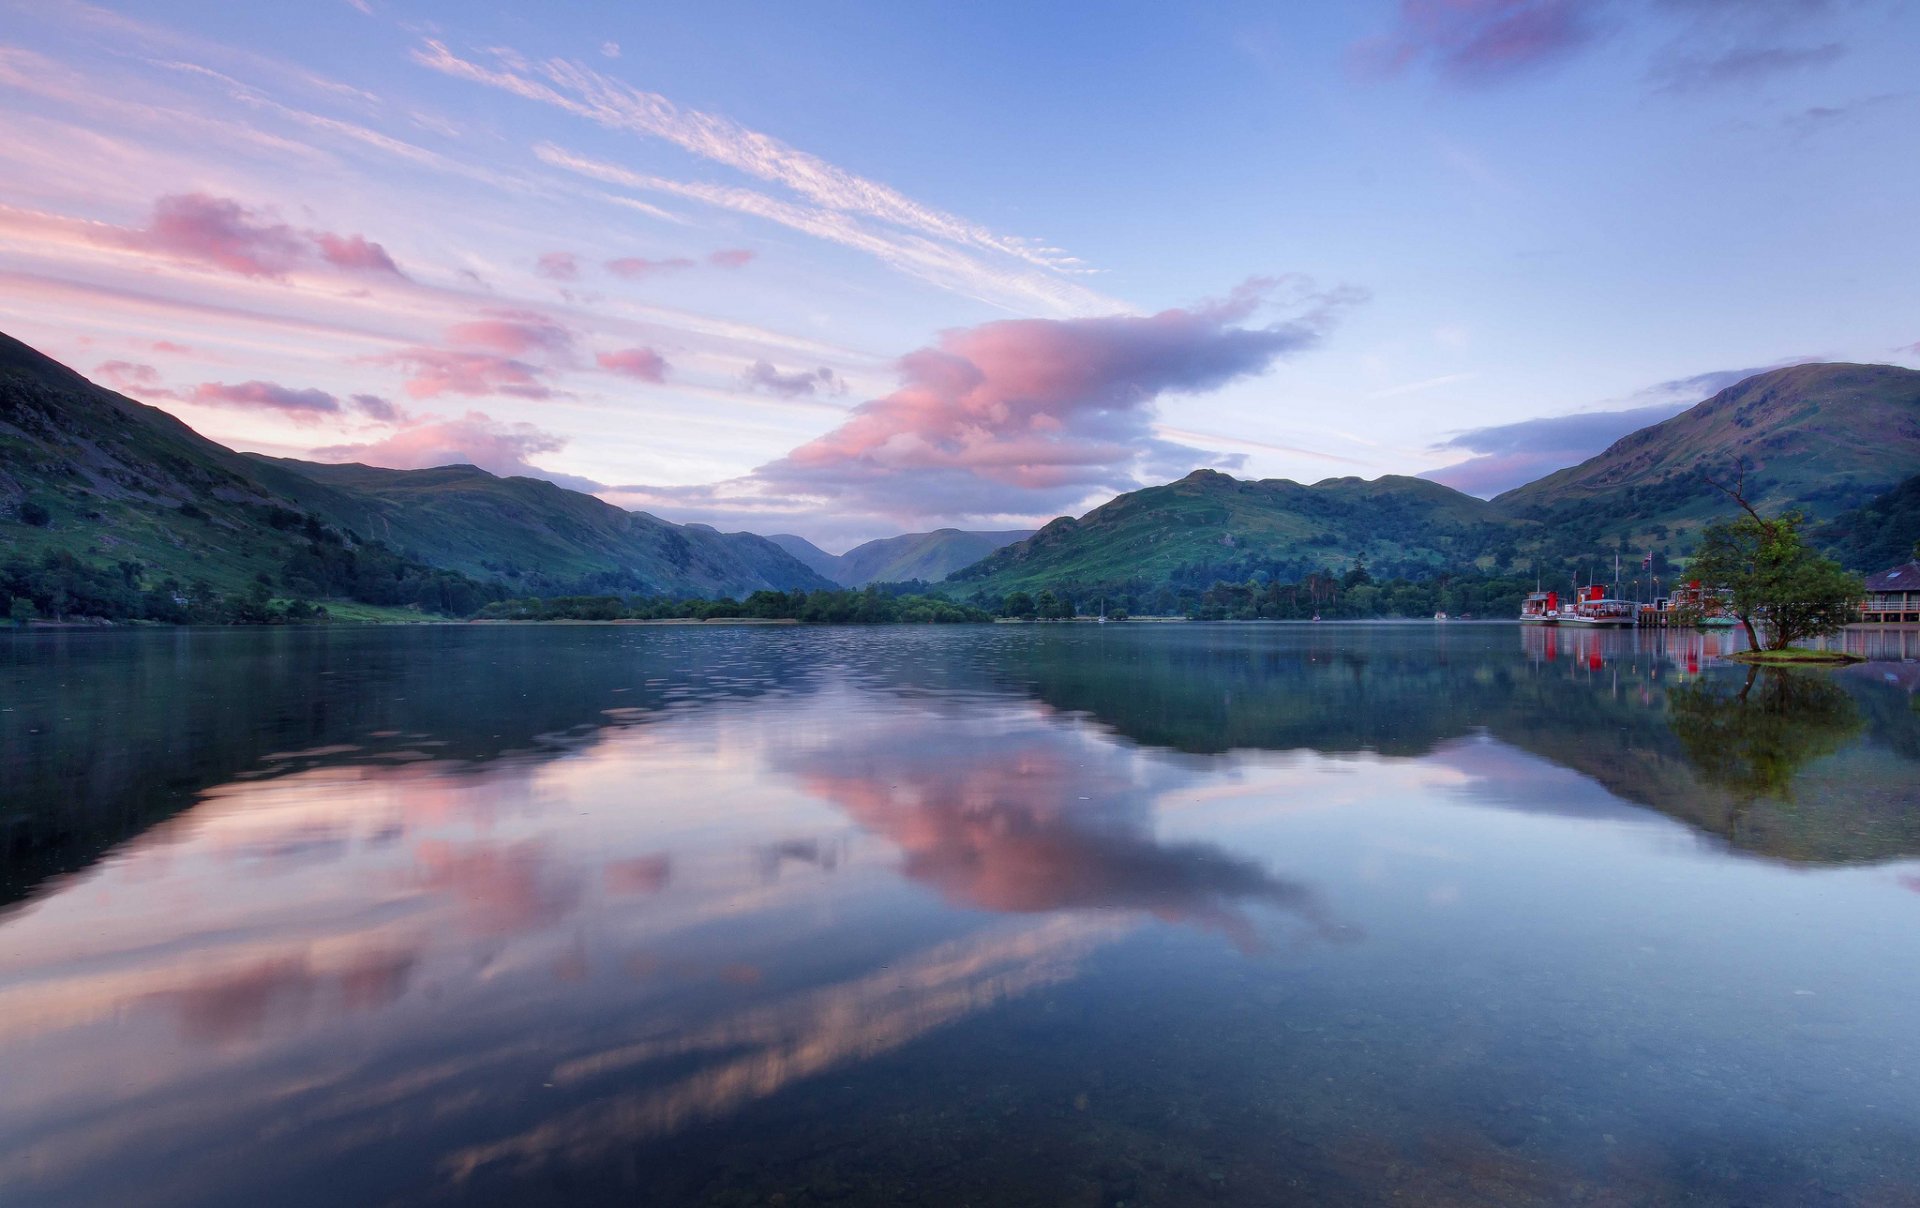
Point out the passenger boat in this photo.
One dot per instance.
(1540, 608)
(1593, 607)
(1709, 608)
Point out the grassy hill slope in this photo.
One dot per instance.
(1211, 525)
(1823, 438)
(93, 476)
(535, 535)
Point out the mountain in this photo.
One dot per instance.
(1822, 438)
(114, 483)
(930, 557)
(528, 529)
(808, 554)
(1211, 526)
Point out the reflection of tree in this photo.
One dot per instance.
(1754, 741)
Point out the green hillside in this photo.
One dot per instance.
(1210, 526)
(542, 538)
(1823, 438)
(927, 557)
(106, 502)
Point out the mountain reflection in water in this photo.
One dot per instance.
(1250, 914)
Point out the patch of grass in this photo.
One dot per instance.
(1797, 656)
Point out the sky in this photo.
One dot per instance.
(848, 269)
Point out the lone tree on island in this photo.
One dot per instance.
(1771, 574)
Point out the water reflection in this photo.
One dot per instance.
(1755, 739)
(610, 915)
(1037, 819)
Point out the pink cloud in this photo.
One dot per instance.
(474, 439)
(224, 234)
(375, 407)
(505, 352)
(1478, 40)
(356, 253)
(733, 257)
(220, 232)
(560, 266)
(1025, 414)
(762, 375)
(128, 376)
(437, 371)
(513, 333)
(300, 405)
(642, 363)
(170, 346)
(635, 268)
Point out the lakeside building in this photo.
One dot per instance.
(1893, 596)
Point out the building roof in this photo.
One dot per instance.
(1900, 578)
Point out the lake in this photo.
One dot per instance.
(998, 915)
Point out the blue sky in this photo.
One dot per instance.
(850, 269)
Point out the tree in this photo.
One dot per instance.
(21, 612)
(1772, 575)
(1018, 604)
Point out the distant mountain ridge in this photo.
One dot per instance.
(121, 481)
(929, 557)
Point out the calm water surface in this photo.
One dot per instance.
(1154, 915)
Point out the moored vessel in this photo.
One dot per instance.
(1540, 608)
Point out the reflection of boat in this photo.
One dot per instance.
(1540, 608)
(1592, 606)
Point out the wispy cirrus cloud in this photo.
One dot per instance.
(930, 260)
(832, 195)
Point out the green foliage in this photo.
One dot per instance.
(1774, 577)
(1877, 535)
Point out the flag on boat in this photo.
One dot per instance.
(1646, 563)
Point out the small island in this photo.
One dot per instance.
(1797, 656)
